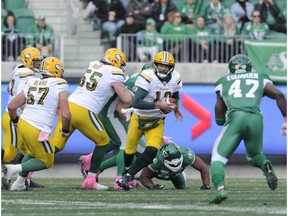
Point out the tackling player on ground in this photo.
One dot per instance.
(237, 107)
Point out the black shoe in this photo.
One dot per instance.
(124, 181)
(32, 184)
(271, 177)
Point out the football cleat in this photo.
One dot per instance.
(85, 162)
(91, 184)
(219, 197)
(124, 181)
(133, 184)
(9, 171)
(5, 184)
(271, 177)
(116, 186)
(31, 184)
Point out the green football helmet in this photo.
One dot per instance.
(240, 64)
(172, 157)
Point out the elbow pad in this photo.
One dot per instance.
(220, 121)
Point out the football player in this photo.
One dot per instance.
(97, 87)
(41, 97)
(152, 87)
(237, 107)
(170, 164)
(31, 59)
(116, 127)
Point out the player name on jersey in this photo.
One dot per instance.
(242, 76)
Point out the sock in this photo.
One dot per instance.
(20, 179)
(2, 154)
(111, 162)
(258, 160)
(33, 164)
(56, 150)
(143, 160)
(217, 173)
(120, 163)
(128, 158)
(20, 157)
(97, 158)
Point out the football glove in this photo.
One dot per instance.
(15, 121)
(157, 187)
(204, 187)
(128, 113)
(283, 130)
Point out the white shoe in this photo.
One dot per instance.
(101, 187)
(18, 186)
(9, 171)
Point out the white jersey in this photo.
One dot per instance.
(42, 99)
(20, 76)
(157, 90)
(95, 87)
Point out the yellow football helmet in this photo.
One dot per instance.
(30, 56)
(52, 66)
(164, 58)
(115, 57)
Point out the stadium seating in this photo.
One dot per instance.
(14, 4)
(179, 3)
(3, 15)
(25, 18)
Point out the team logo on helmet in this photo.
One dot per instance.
(117, 56)
(57, 67)
(27, 56)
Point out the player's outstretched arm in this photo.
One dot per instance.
(146, 179)
(202, 167)
(123, 93)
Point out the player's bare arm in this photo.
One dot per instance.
(220, 110)
(64, 109)
(146, 178)
(18, 101)
(202, 167)
(123, 93)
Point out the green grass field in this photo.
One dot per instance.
(65, 197)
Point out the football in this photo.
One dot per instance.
(172, 102)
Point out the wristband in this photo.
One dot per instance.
(285, 119)
(65, 130)
(15, 120)
(220, 121)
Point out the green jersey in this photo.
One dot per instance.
(242, 91)
(162, 172)
(258, 31)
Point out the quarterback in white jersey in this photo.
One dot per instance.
(41, 97)
(31, 59)
(150, 105)
(99, 83)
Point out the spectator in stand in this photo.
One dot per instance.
(160, 12)
(129, 27)
(214, 14)
(271, 14)
(188, 11)
(228, 43)
(174, 27)
(114, 20)
(96, 10)
(12, 42)
(140, 10)
(256, 29)
(201, 44)
(242, 12)
(148, 42)
(41, 36)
